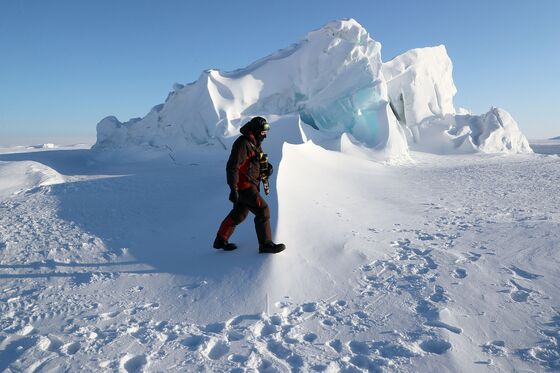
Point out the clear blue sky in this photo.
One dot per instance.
(66, 64)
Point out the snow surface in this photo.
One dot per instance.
(335, 80)
(447, 264)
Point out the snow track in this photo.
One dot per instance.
(450, 264)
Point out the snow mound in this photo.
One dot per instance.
(335, 80)
(17, 177)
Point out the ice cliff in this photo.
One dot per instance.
(336, 81)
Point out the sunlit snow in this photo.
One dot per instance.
(420, 238)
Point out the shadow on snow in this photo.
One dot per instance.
(164, 215)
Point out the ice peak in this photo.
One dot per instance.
(342, 26)
(346, 29)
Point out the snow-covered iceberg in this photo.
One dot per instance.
(421, 89)
(332, 78)
(335, 80)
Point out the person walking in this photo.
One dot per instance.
(246, 167)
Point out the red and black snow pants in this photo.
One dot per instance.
(249, 200)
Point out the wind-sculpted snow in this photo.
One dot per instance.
(447, 264)
(335, 80)
(16, 178)
(332, 78)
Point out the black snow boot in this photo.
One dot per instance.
(223, 244)
(270, 247)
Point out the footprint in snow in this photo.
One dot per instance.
(391, 350)
(133, 363)
(519, 296)
(423, 236)
(310, 337)
(265, 328)
(362, 362)
(336, 345)
(70, 348)
(422, 252)
(194, 342)
(439, 295)
(236, 358)
(472, 256)
(216, 349)
(234, 335)
(281, 352)
(367, 267)
(430, 262)
(359, 348)
(215, 328)
(460, 273)
(309, 307)
(79, 279)
(525, 274)
(242, 321)
(435, 346)
(341, 303)
(522, 293)
(496, 348)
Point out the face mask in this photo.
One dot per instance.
(261, 136)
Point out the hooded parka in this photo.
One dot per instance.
(243, 175)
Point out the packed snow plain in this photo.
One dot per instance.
(445, 263)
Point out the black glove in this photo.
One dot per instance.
(269, 170)
(233, 195)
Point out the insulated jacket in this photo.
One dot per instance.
(243, 169)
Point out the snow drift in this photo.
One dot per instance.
(18, 177)
(335, 80)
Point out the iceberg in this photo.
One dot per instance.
(334, 80)
(421, 90)
(420, 86)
